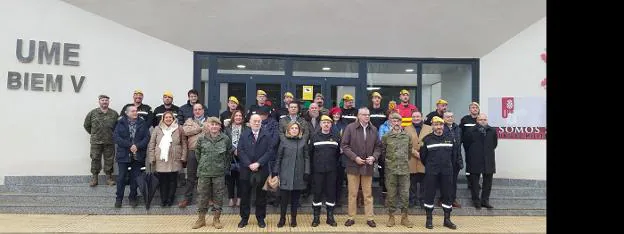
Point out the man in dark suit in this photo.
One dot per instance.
(256, 148)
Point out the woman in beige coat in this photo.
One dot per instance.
(166, 152)
(417, 130)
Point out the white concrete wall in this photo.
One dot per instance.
(515, 69)
(42, 131)
(457, 90)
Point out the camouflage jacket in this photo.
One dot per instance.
(101, 125)
(396, 149)
(213, 155)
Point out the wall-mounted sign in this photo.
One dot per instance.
(45, 53)
(308, 92)
(518, 117)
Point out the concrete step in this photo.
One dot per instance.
(106, 200)
(84, 179)
(462, 191)
(43, 208)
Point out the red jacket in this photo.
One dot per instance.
(406, 113)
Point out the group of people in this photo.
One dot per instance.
(307, 151)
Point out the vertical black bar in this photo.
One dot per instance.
(418, 96)
(361, 97)
(214, 88)
(476, 66)
(196, 71)
(288, 68)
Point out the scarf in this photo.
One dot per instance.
(132, 126)
(236, 131)
(166, 140)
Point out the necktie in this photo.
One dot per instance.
(255, 137)
(364, 134)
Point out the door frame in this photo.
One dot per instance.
(288, 79)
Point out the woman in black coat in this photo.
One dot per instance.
(481, 141)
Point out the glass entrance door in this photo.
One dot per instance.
(238, 90)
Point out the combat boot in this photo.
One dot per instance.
(201, 220)
(316, 213)
(330, 217)
(215, 220)
(391, 221)
(94, 180)
(429, 221)
(405, 219)
(110, 181)
(447, 219)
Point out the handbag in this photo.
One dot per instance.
(234, 165)
(271, 184)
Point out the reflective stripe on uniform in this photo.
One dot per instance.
(329, 204)
(428, 206)
(282, 116)
(161, 114)
(326, 143)
(349, 117)
(317, 204)
(469, 125)
(378, 116)
(447, 206)
(142, 112)
(439, 145)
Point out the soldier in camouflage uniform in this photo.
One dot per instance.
(100, 124)
(214, 154)
(396, 146)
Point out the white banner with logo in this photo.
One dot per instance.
(518, 117)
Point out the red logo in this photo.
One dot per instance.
(508, 106)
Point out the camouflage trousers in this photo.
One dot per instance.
(211, 188)
(398, 189)
(108, 152)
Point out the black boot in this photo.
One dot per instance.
(447, 219)
(316, 213)
(429, 222)
(293, 218)
(330, 216)
(282, 220)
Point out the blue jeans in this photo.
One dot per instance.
(135, 171)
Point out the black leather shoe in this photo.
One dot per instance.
(477, 205)
(349, 222)
(371, 223)
(261, 224)
(242, 223)
(134, 203)
(486, 204)
(117, 204)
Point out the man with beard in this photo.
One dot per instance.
(261, 98)
(441, 106)
(405, 108)
(144, 111)
(100, 124)
(186, 110)
(349, 113)
(320, 100)
(166, 106)
(283, 111)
